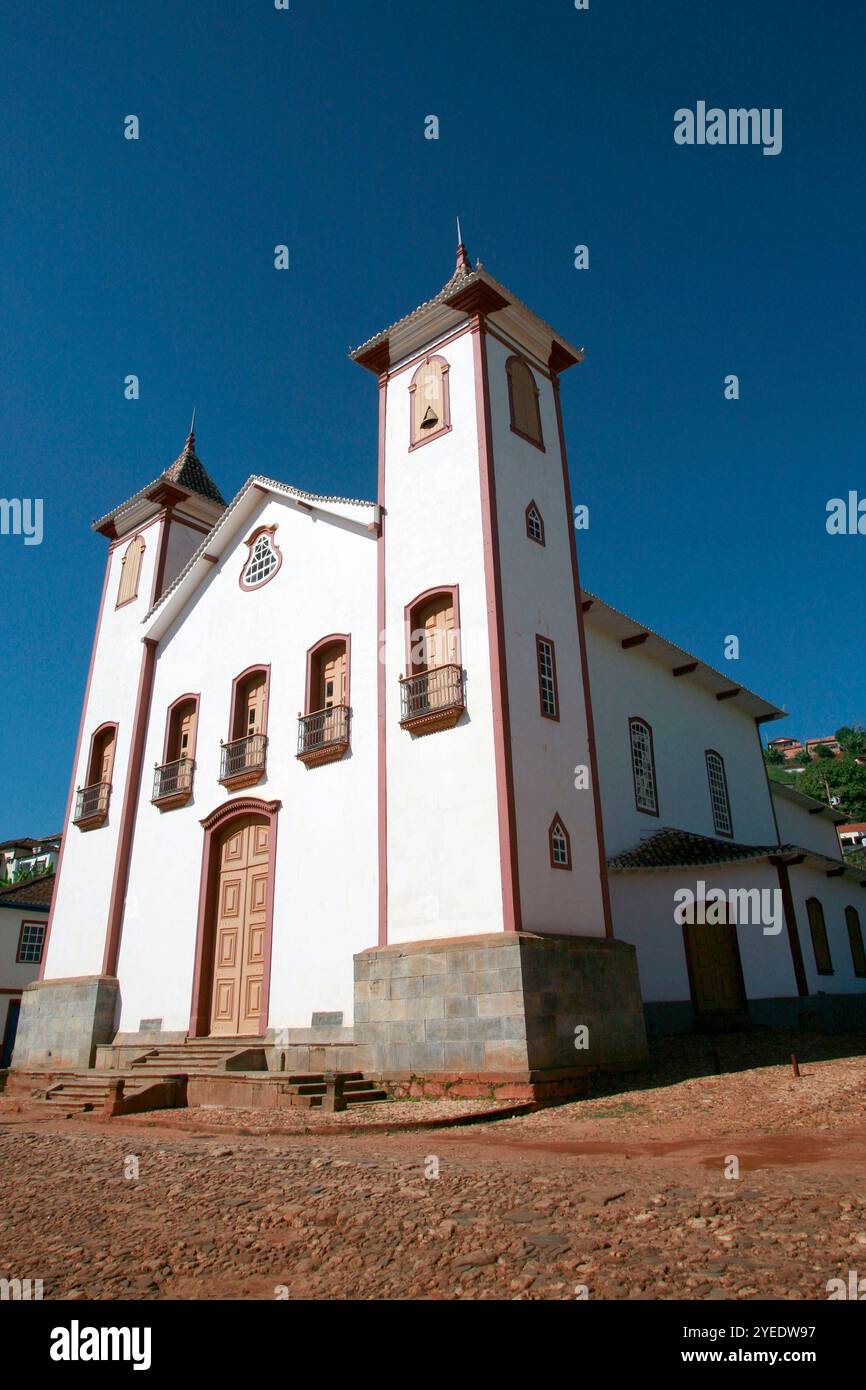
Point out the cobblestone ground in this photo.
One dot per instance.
(624, 1194)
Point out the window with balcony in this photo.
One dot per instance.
(523, 401)
(323, 728)
(643, 766)
(173, 777)
(91, 800)
(244, 757)
(130, 571)
(534, 524)
(429, 401)
(719, 799)
(431, 692)
(559, 844)
(818, 933)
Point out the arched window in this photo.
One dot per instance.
(429, 401)
(91, 800)
(172, 783)
(534, 524)
(130, 570)
(323, 733)
(523, 401)
(719, 800)
(855, 938)
(560, 844)
(818, 932)
(244, 756)
(643, 766)
(432, 689)
(263, 560)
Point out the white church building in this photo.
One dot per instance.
(379, 777)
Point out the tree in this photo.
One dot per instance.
(846, 779)
(773, 756)
(824, 751)
(852, 740)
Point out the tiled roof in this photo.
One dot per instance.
(34, 892)
(680, 849)
(462, 276)
(187, 471)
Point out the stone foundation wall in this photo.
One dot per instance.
(504, 1005)
(63, 1021)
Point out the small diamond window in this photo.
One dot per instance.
(263, 562)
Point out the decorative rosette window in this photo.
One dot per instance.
(263, 560)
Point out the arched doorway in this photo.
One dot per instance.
(233, 945)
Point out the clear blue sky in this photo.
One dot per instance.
(306, 127)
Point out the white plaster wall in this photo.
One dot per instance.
(686, 720)
(326, 854)
(443, 841)
(83, 889)
(538, 597)
(797, 827)
(183, 541)
(834, 895)
(643, 910)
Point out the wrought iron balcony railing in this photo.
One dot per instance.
(432, 699)
(243, 761)
(91, 805)
(172, 783)
(323, 736)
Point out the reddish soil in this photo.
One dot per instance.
(624, 1194)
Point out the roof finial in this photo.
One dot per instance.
(190, 439)
(463, 262)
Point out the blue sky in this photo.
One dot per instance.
(306, 127)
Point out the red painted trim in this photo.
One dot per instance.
(513, 347)
(381, 683)
(445, 426)
(417, 357)
(74, 777)
(213, 824)
(16, 993)
(312, 653)
(130, 544)
(30, 922)
(539, 442)
(181, 700)
(584, 670)
(249, 543)
(558, 821)
(791, 926)
(552, 645)
(506, 802)
(233, 709)
(130, 803)
(417, 602)
(533, 506)
(639, 719)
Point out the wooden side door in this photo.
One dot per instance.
(438, 646)
(241, 925)
(332, 692)
(715, 970)
(252, 716)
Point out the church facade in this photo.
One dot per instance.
(380, 777)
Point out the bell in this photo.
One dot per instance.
(430, 418)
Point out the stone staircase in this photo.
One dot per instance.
(320, 1090)
(202, 1056)
(77, 1095)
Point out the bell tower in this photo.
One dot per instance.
(490, 825)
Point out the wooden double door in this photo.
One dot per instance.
(240, 936)
(715, 971)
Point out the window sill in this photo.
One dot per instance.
(172, 801)
(431, 721)
(328, 753)
(248, 778)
